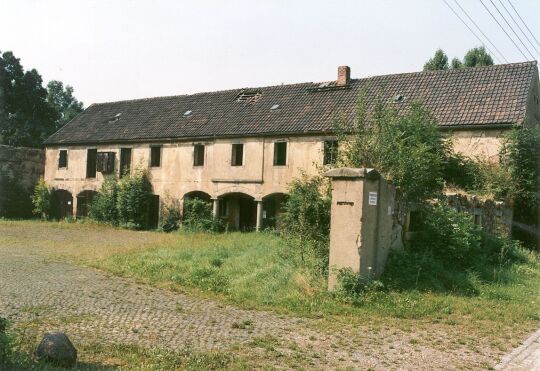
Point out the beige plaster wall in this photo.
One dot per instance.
(484, 144)
(176, 176)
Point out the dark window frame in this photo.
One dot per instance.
(199, 150)
(223, 210)
(330, 151)
(125, 164)
(63, 159)
(155, 161)
(91, 163)
(105, 162)
(237, 154)
(280, 153)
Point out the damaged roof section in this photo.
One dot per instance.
(463, 97)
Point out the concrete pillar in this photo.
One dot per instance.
(361, 228)
(215, 207)
(259, 215)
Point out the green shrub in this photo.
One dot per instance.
(451, 254)
(406, 148)
(170, 214)
(198, 216)
(104, 207)
(41, 199)
(306, 220)
(448, 234)
(17, 200)
(351, 287)
(132, 200)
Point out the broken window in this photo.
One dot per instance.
(105, 162)
(330, 152)
(237, 154)
(248, 96)
(125, 161)
(198, 155)
(155, 156)
(62, 159)
(91, 158)
(280, 153)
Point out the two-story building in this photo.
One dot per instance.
(240, 148)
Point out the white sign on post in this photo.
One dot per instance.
(372, 200)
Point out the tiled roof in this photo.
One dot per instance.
(470, 96)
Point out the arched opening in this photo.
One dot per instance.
(273, 205)
(238, 211)
(84, 200)
(196, 195)
(61, 204)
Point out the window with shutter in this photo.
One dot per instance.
(105, 162)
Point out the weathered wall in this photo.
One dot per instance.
(484, 144)
(492, 216)
(177, 176)
(20, 168)
(363, 229)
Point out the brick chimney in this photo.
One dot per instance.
(344, 75)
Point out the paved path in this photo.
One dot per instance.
(525, 357)
(39, 291)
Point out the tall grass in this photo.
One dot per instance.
(257, 270)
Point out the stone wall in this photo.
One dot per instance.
(492, 216)
(20, 168)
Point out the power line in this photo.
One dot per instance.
(525, 24)
(502, 28)
(517, 24)
(470, 29)
(511, 28)
(482, 32)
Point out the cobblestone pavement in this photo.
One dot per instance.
(525, 357)
(93, 306)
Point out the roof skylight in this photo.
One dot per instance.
(275, 106)
(399, 98)
(188, 113)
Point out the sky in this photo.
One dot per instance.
(127, 49)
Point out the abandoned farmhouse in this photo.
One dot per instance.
(239, 149)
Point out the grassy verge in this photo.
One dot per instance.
(255, 271)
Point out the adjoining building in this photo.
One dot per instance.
(240, 148)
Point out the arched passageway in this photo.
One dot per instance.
(61, 204)
(238, 211)
(273, 205)
(84, 200)
(196, 195)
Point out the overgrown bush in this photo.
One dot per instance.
(170, 214)
(450, 254)
(351, 287)
(17, 200)
(41, 199)
(407, 148)
(198, 216)
(306, 220)
(103, 207)
(521, 155)
(132, 200)
(448, 234)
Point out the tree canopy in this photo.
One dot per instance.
(475, 57)
(29, 112)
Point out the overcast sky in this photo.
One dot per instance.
(124, 49)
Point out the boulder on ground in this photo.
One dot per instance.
(58, 349)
